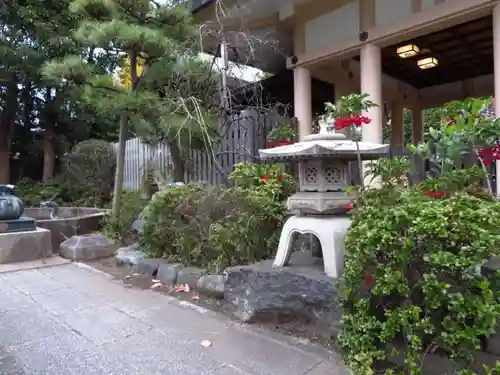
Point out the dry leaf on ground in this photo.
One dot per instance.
(181, 288)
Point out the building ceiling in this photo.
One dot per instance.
(463, 51)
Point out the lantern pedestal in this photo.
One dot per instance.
(330, 231)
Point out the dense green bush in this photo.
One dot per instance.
(34, 192)
(421, 254)
(59, 190)
(412, 276)
(86, 181)
(89, 169)
(132, 204)
(217, 227)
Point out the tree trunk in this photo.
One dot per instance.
(122, 142)
(4, 167)
(179, 164)
(120, 165)
(7, 117)
(49, 155)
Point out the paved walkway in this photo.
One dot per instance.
(72, 320)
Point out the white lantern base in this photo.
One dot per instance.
(330, 231)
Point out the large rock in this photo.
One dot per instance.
(130, 255)
(258, 292)
(88, 247)
(137, 225)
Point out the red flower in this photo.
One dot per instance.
(265, 178)
(360, 120)
(356, 120)
(489, 155)
(349, 206)
(369, 280)
(434, 194)
(341, 123)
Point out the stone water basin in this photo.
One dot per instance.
(70, 221)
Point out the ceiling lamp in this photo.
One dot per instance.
(427, 63)
(408, 51)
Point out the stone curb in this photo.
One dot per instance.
(171, 273)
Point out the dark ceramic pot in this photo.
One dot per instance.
(11, 207)
(279, 142)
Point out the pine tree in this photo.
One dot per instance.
(33, 32)
(172, 99)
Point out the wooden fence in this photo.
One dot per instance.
(242, 137)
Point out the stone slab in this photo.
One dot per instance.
(23, 224)
(25, 246)
(88, 247)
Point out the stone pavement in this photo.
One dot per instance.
(69, 319)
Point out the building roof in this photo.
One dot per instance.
(200, 4)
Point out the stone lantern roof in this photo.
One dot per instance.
(325, 145)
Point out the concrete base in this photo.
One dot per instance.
(25, 246)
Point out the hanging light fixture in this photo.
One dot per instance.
(427, 63)
(409, 50)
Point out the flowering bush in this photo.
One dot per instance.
(467, 126)
(412, 289)
(282, 133)
(268, 177)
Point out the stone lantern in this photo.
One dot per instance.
(319, 207)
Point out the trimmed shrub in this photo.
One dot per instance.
(89, 169)
(217, 227)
